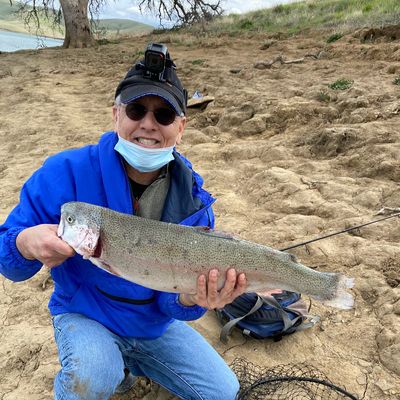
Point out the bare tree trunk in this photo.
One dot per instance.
(77, 26)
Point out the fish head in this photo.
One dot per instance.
(80, 227)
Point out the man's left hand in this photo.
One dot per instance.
(209, 296)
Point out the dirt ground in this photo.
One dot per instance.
(287, 157)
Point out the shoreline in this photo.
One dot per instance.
(11, 41)
(30, 34)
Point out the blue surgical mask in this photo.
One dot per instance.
(142, 158)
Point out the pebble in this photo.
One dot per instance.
(361, 380)
(384, 385)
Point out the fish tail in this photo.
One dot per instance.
(342, 299)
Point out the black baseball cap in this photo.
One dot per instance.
(136, 85)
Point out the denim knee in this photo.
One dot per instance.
(80, 379)
(91, 362)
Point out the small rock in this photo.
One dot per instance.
(361, 380)
(266, 45)
(252, 126)
(396, 307)
(363, 363)
(392, 69)
(383, 385)
(262, 65)
(193, 136)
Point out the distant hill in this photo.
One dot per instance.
(123, 27)
(106, 28)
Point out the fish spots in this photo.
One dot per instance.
(134, 241)
(185, 253)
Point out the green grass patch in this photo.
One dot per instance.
(368, 8)
(246, 25)
(341, 84)
(324, 97)
(198, 62)
(334, 37)
(397, 81)
(138, 53)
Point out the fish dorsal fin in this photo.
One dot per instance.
(210, 232)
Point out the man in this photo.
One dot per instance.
(105, 326)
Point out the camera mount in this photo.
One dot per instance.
(157, 63)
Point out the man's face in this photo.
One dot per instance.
(147, 132)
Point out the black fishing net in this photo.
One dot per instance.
(285, 382)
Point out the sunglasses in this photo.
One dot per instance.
(163, 115)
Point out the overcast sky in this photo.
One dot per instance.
(127, 9)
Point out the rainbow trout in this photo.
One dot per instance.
(169, 257)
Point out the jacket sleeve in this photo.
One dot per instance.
(169, 302)
(170, 305)
(39, 203)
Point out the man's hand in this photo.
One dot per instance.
(209, 296)
(41, 243)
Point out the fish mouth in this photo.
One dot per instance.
(60, 229)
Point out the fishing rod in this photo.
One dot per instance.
(339, 232)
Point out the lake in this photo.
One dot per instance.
(12, 41)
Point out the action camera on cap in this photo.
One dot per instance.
(155, 57)
(157, 63)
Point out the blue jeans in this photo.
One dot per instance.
(93, 360)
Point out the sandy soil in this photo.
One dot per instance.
(287, 157)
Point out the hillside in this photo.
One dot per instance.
(105, 28)
(311, 14)
(302, 139)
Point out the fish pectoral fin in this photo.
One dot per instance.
(104, 266)
(210, 232)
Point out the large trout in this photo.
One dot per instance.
(169, 257)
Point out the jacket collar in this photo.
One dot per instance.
(185, 196)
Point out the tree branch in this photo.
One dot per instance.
(182, 12)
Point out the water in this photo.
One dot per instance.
(12, 41)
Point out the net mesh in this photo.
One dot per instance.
(285, 382)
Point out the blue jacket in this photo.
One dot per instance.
(95, 174)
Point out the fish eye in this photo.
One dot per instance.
(70, 219)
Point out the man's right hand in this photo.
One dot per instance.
(41, 243)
